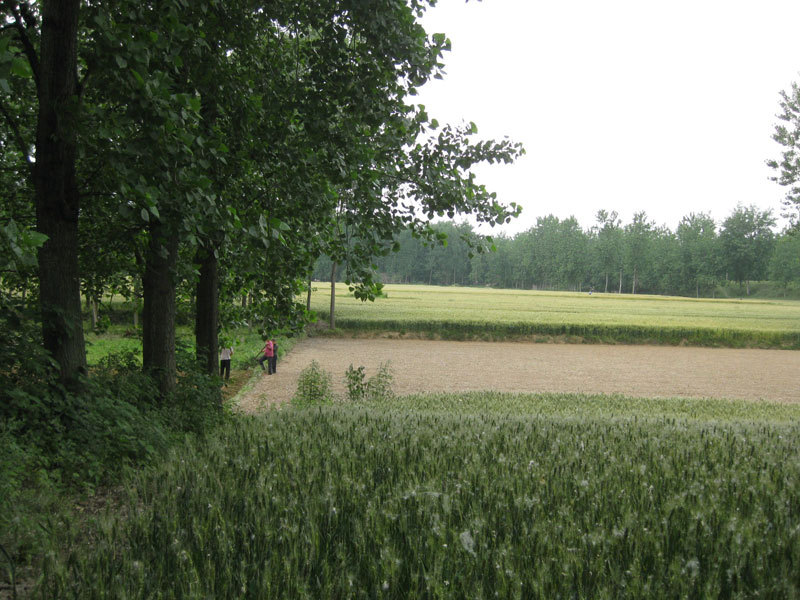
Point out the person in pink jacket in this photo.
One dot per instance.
(268, 354)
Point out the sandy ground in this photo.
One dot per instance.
(643, 371)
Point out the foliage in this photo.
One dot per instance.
(313, 386)
(460, 496)
(747, 242)
(60, 444)
(376, 388)
(556, 254)
(785, 263)
(195, 406)
(356, 382)
(787, 134)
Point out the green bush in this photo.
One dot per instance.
(356, 382)
(313, 386)
(377, 388)
(195, 406)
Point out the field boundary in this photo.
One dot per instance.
(562, 333)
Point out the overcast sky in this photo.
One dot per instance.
(628, 105)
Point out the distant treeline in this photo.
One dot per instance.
(612, 256)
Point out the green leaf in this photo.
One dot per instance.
(145, 215)
(138, 77)
(121, 62)
(20, 67)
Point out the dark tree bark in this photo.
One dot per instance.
(56, 190)
(158, 313)
(207, 313)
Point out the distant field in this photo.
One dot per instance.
(452, 312)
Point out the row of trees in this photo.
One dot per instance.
(215, 148)
(637, 257)
(220, 146)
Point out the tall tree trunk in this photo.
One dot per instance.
(332, 317)
(620, 281)
(308, 296)
(55, 188)
(633, 286)
(158, 314)
(93, 305)
(137, 294)
(207, 311)
(606, 289)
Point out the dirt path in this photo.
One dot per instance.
(648, 371)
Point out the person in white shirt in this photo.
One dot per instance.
(225, 361)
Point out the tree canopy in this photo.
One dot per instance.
(557, 254)
(214, 149)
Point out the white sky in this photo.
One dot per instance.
(626, 105)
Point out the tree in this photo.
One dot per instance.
(608, 245)
(747, 240)
(787, 134)
(179, 128)
(697, 239)
(784, 265)
(54, 69)
(638, 238)
(663, 272)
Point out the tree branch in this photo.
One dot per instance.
(20, 141)
(22, 32)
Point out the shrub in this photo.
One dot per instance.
(376, 388)
(355, 380)
(195, 405)
(313, 386)
(379, 386)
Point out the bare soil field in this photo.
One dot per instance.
(641, 371)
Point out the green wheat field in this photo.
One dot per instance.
(460, 313)
(480, 495)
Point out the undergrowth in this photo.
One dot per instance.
(63, 444)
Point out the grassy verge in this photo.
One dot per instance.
(116, 338)
(573, 333)
(461, 496)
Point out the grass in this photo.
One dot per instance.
(470, 496)
(453, 312)
(117, 338)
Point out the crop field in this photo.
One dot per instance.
(471, 496)
(476, 494)
(454, 312)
